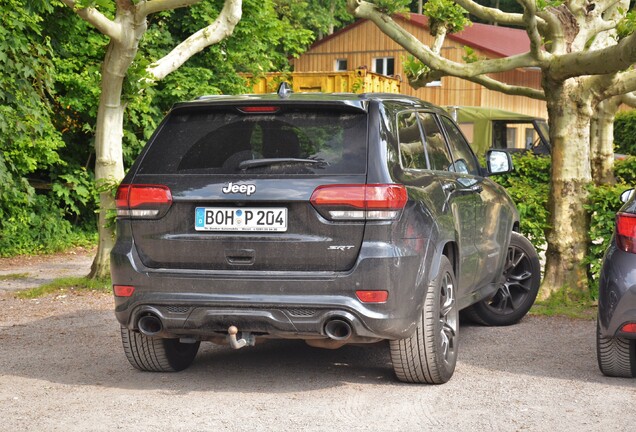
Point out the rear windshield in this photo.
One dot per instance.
(231, 142)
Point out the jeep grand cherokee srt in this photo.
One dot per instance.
(332, 218)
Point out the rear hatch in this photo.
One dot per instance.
(258, 186)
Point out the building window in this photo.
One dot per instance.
(341, 65)
(529, 137)
(384, 65)
(511, 137)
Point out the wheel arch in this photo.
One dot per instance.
(450, 250)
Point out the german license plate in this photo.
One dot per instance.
(240, 219)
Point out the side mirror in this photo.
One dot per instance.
(499, 162)
(627, 195)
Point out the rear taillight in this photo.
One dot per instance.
(626, 232)
(123, 290)
(143, 201)
(629, 328)
(360, 201)
(372, 296)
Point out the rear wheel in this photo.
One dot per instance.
(155, 354)
(430, 354)
(616, 356)
(516, 295)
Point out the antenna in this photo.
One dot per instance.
(284, 90)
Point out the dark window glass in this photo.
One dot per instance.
(411, 146)
(341, 65)
(464, 160)
(384, 65)
(390, 66)
(511, 137)
(216, 142)
(438, 154)
(379, 65)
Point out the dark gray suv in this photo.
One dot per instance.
(334, 219)
(616, 322)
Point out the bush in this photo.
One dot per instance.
(529, 188)
(603, 204)
(33, 223)
(625, 132)
(625, 170)
(38, 227)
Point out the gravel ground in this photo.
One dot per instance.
(62, 368)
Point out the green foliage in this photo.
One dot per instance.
(38, 227)
(319, 16)
(469, 55)
(603, 203)
(66, 285)
(413, 68)
(625, 171)
(448, 14)
(31, 146)
(560, 303)
(528, 186)
(98, 4)
(625, 132)
(626, 26)
(545, 4)
(75, 192)
(27, 139)
(13, 276)
(392, 6)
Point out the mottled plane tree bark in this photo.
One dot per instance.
(602, 137)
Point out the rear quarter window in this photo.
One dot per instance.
(216, 142)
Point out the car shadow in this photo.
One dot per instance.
(84, 348)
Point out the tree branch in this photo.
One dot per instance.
(439, 40)
(363, 9)
(148, 7)
(536, 42)
(605, 5)
(483, 80)
(597, 62)
(629, 99)
(96, 19)
(492, 14)
(221, 28)
(622, 84)
(495, 85)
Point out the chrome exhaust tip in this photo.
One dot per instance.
(338, 329)
(150, 325)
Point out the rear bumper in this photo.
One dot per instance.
(204, 304)
(617, 293)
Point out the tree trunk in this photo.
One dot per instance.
(602, 141)
(569, 109)
(332, 17)
(109, 164)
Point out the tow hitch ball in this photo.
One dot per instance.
(247, 340)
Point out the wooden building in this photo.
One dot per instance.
(362, 44)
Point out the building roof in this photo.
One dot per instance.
(499, 41)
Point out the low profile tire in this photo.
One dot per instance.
(515, 297)
(155, 354)
(430, 354)
(616, 356)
